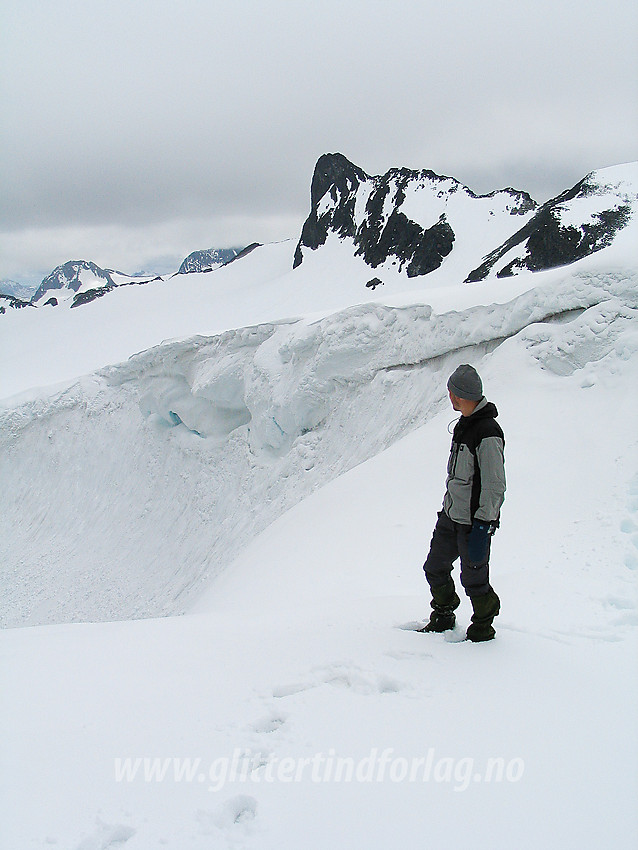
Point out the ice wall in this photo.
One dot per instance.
(124, 495)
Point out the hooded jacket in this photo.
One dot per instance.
(475, 486)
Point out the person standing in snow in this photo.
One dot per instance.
(475, 490)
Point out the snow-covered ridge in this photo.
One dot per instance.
(284, 379)
(577, 223)
(211, 439)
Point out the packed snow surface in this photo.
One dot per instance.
(272, 473)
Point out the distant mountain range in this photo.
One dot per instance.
(78, 282)
(13, 289)
(416, 223)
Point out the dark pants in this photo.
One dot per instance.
(449, 542)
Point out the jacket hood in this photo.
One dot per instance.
(484, 410)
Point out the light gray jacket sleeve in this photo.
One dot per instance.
(490, 457)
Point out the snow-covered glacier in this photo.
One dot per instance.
(128, 490)
(263, 450)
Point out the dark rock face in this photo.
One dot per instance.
(207, 260)
(383, 231)
(546, 242)
(338, 176)
(372, 284)
(420, 250)
(13, 302)
(67, 276)
(91, 294)
(244, 252)
(376, 240)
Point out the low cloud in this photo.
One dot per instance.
(29, 255)
(158, 129)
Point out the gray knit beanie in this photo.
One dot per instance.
(465, 383)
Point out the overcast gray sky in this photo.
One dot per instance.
(145, 129)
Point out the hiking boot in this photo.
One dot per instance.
(439, 622)
(485, 609)
(444, 601)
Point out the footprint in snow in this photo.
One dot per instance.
(238, 811)
(292, 688)
(361, 683)
(344, 676)
(407, 655)
(107, 837)
(268, 724)
(412, 625)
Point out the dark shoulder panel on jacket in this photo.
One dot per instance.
(488, 427)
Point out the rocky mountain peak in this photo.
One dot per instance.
(207, 260)
(72, 276)
(404, 216)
